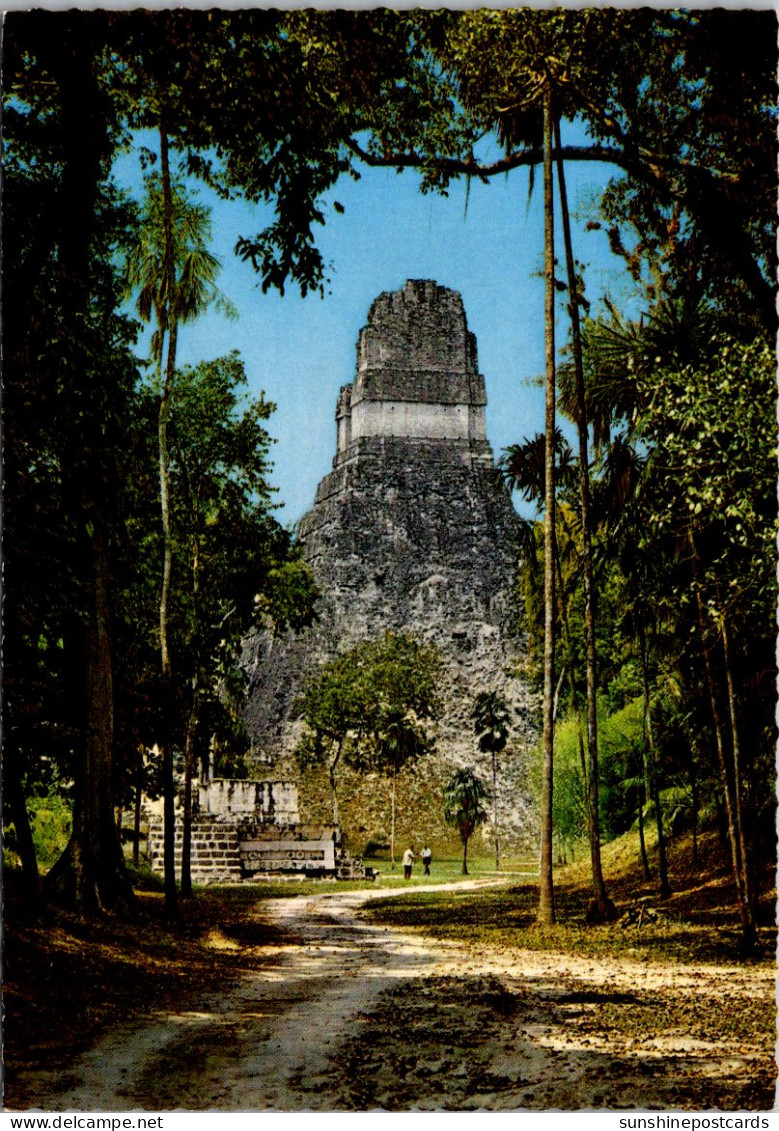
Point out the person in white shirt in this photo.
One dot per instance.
(408, 860)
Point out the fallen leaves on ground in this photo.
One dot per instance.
(65, 979)
(467, 1043)
(637, 1025)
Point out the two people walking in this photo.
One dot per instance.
(409, 857)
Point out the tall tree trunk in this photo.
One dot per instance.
(194, 719)
(465, 855)
(569, 664)
(654, 760)
(393, 787)
(692, 744)
(601, 908)
(333, 794)
(746, 911)
(495, 807)
(640, 814)
(738, 806)
(642, 799)
(137, 810)
(546, 908)
(189, 769)
(91, 871)
(695, 806)
(103, 837)
(168, 780)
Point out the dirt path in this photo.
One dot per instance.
(352, 1016)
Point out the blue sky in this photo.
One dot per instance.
(300, 351)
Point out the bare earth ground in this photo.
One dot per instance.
(339, 1014)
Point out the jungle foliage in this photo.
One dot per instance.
(666, 506)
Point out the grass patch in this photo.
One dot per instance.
(444, 871)
(698, 923)
(254, 890)
(449, 869)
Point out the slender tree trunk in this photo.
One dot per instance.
(194, 716)
(333, 794)
(169, 843)
(189, 768)
(569, 664)
(495, 807)
(393, 787)
(166, 531)
(465, 855)
(641, 837)
(546, 908)
(556, 698)
(738, 806)
(744, 907)
(642, 796)
(692, 739)
(695, 803)
(654, 767)
(601, 907)
(169, 827)
(137, 815)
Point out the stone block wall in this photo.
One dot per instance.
(237, 848)
(215, 854)
(273, 801)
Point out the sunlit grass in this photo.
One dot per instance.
(687, 929)
(446, 870)
(443, 871)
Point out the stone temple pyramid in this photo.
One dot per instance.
(413, 529)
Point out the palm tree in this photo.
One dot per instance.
(619, 352)
(172, 274)
(465, 805)
(601, 907)
(173, 286)
(621, 356)
(546, 908)
(399, 740)
(490, 716)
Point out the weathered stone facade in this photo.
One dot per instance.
(244, 829)
(273, 802)
(417, 376)
(413, 530)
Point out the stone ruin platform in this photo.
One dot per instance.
(250, 830)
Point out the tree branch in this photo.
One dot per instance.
(457, 166)
(646, 164)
